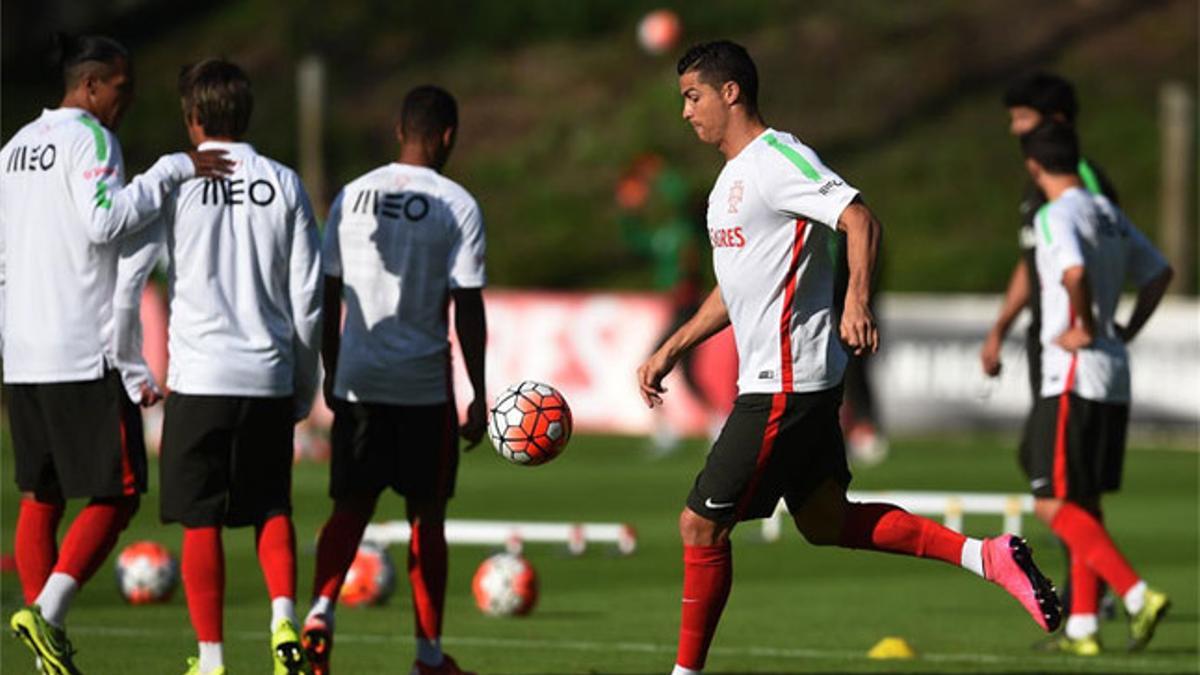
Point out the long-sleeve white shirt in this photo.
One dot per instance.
(244, 281)
(63, 208)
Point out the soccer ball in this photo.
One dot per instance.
(530, 423)
(370, 579)
(146, 573)
(505, 585)
(659, 31)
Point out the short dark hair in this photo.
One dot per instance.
(216, 95)
(720, 62)
(428, 111)
(1044, 92)
(79, 55)
(1054, 146)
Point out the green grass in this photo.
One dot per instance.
(794, 608)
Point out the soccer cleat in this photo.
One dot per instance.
(448, 667)
(194, 668)
(317, 641)
(1008, 563)
(1142, 624)
(286, 649)
(1084, 646)
(49, 645)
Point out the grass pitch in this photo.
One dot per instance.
(794, 608)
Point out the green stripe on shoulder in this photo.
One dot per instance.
(794, 157)
(1087, 174)
(1043, 220)
(97, 135)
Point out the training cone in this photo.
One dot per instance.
(892, 648)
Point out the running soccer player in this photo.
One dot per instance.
(1086, 251)
(245, 287)
(64, 214)
(401, 243)
(780, 221)
(1031, 100)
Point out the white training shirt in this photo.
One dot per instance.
(1077, 229)
(244, 282)
(401, 238)
(63, 204)
(772, 221)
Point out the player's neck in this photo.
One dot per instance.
(1054, 185)
(76, 99)
(742, 131)
(417, 154)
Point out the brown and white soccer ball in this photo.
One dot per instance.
(371, 578)
(659, 31)
(530, 423)
(505, 585)
(146, 573)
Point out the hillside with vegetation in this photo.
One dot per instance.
(556, 98)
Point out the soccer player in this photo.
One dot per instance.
(401, 243)
(1086, 250)
(1031, 100)
(64, 211)
(780, 220)
(244, 334)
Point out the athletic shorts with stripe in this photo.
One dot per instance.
(1075, 448)
(226, 460)
(77, 439)
(772, 446)
(412, 449)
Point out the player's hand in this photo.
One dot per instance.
(472, 430)
(1122, 332)
(211, 163)
(858, 328)
(150, 395)
(989, 356)
(1074, 338)
(650, 376)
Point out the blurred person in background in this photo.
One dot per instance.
(66, 215)
(1086, 250)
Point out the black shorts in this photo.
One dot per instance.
(412, 449)
(226, 460)
(772, 446)
(77, 439)
(1074, 448)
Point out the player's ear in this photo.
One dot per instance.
(730, 92)
(448, 137)
(400, 133)
(1035, 170)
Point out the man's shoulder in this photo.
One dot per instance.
(455, 193)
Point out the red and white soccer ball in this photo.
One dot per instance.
(530, 423)
(659, 31)
(146, 573)
(371, 578)
(505, 585)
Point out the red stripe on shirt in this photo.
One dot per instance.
(789, 298)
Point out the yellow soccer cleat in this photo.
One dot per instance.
(49, 645)
(1084, 646)
(194, 668)
(287, 651)
(1142, 624)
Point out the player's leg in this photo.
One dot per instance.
(707, 580)
(36, 536)
(36, 542)
(195, 469)
(430, 455)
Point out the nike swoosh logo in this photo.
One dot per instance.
(1037, 483)
(715, 505)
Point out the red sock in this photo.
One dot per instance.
(36, 543)
(885, 527)
(204, 581)
(275, 540)
(1091, 545)
(336, 549)
(427, 562)
(92, 536)
(707, 577)
(1084, 587)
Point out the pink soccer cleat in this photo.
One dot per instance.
(448, 667)
(317, 640)
(1008, 563)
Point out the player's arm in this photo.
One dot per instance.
(304, 287)
(470, 324)
(136, 259)
(1150, 271)
(1016, 297)
(863, 235)
(710, 319)
(331, 305)
(111, 209)
(1083, 329)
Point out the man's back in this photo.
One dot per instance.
(244, 280)
(401, 238)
